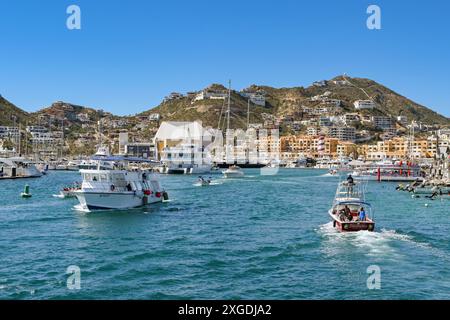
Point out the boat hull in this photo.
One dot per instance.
(124, 200)
(352, 226)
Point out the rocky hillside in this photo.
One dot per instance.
(279, 102)
(8, 111)
(289, 102)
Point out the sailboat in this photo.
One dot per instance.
(246, 163)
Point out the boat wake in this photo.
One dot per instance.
(80, 208)
(377, 243)
(212, 183)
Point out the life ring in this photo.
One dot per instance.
(113, 187)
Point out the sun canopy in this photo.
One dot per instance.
(354, 202)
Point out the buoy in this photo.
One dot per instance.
(26, 192)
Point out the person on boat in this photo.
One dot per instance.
(129, 188)
(350, 180)
(362, 214)
(347, 213)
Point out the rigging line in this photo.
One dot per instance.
(238, 118)
(221, 112)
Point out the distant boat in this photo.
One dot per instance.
(18, 167)
(233, 172)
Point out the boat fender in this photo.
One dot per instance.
(113, 187)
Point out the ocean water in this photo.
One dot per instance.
(259, 237)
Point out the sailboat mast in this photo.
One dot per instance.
(100, 131)
(20, 129)
(248, 113)
(229, 102)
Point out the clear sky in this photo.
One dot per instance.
(129, 54)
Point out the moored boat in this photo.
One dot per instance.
(18, 167)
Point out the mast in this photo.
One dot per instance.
(62, 146)
(229, 103)
(248, 112)
(20, 127)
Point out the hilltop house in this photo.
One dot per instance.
(364, 104)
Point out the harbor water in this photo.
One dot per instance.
(258, 237)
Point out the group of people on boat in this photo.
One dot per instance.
(345, 214)
(202, 180)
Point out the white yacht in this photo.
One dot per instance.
(18, 167)
(186, 158)
(233, 172)
(118, 188)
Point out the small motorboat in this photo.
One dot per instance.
(350, 212)
(68, 192)
(233, 172)
(203, 182)
(345, 216)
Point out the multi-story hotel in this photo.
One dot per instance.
(295, 146)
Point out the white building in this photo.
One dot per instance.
(258, 98)
(154, 117)
(32, 129)
(402, 119)
(211, 94)
(364, 104)
(321, 83)
(340, 82)
(382, 122)
(9, 132)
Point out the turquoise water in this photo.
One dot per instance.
(260, 237)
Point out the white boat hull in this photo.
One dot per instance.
(119, 200)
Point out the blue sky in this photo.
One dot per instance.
(129, 54)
